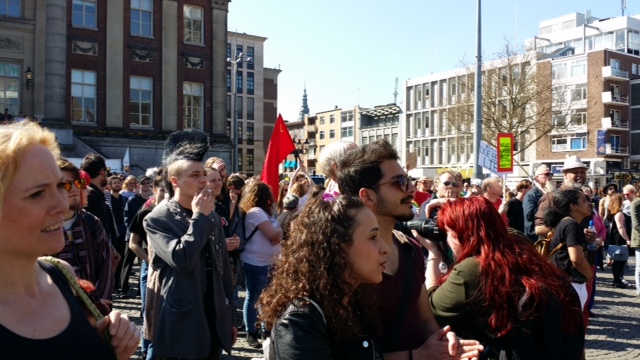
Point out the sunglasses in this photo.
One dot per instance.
(79, 183)
(402, 181)
(450, 183)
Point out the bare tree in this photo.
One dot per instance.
(517, 98)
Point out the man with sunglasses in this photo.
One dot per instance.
(372, 172)
(87, 246)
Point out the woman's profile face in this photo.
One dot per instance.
(34, 206)
(368, 253)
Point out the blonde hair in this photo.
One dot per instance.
(14, 140)
(331, 154)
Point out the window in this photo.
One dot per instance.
(572, 142)
(11, 8)
(239, 130)
(250, 135)
(83, 14)
(238, 52)
(559, 71)
(579, 68)
(251, 54)
(347, 132)
(365, 140)
(332, 119)
(615, 64)
(321, 135)
(250, 109)
(321, 120)
(250, 83)
(10, 75)
(83, 96)
(228, 80)
(193, 24)
(332, 134)
(140, 100)
(634, 69)
(239, 107)
(193, 106)
(239, 81)
(249, 160)
(559, 120)
(141, 14)
(579, 93)
(579, 118)
(228, 106)
(228, 51)
(239, 159)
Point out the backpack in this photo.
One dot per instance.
(240, 228)
(544, 245)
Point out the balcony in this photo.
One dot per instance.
(614, 124)
(312, 128)
(609, 99)
(619, 150)
(609, 73)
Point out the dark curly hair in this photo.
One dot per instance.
(315, 263)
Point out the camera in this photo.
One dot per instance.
(427, 228)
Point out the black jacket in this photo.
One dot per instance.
(301, 333)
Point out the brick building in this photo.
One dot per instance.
(108, 75)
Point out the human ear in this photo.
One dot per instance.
(367, 197)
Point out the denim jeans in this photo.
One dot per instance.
(638, 272)
(257, 278)
(144, 271)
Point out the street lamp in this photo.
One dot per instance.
(29, 76)
(300, 148)
(234, 98)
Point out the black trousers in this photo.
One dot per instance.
(122, 276)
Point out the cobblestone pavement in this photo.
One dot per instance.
(613, 334)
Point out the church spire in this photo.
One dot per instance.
(304, 109)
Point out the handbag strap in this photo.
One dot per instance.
(76, 287)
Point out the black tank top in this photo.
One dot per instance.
(78, 341)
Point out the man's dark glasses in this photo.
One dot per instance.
(79, 183)
(402, 181)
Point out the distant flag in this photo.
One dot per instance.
(280, 146)
(126, 162)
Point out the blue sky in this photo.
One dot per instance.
(350, 52)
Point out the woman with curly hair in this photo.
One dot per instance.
(320, 303)
(500, 291)
(263, 246)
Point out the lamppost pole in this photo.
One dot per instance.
(234, 112)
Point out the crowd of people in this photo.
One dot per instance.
(371, 265)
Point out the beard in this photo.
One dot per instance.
(400, 213)
(75, 206)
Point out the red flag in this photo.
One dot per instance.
(280, 146)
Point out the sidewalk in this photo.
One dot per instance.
(613, 334)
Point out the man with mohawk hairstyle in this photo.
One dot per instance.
(189, 312)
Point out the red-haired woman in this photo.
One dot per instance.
(500, 291)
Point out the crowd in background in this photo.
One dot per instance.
(370, 264)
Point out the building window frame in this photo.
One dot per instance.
(251, 108)
(83, 87)
(11, 8)
(10, 80)
(82, 13)
(250, 83)
(140, 101)
(251, 55)
(249, 160)
(332, 134)
(571, 142)
(321, 135)
(332, 119)
(193, 105)
(142, 18)
(193, 24)
(250, 133)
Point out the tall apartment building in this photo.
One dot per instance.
(595, 103)
(107, 75)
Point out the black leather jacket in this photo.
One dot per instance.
(301, 333)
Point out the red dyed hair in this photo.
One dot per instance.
(511, 268)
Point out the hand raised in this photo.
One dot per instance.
(203, 202)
